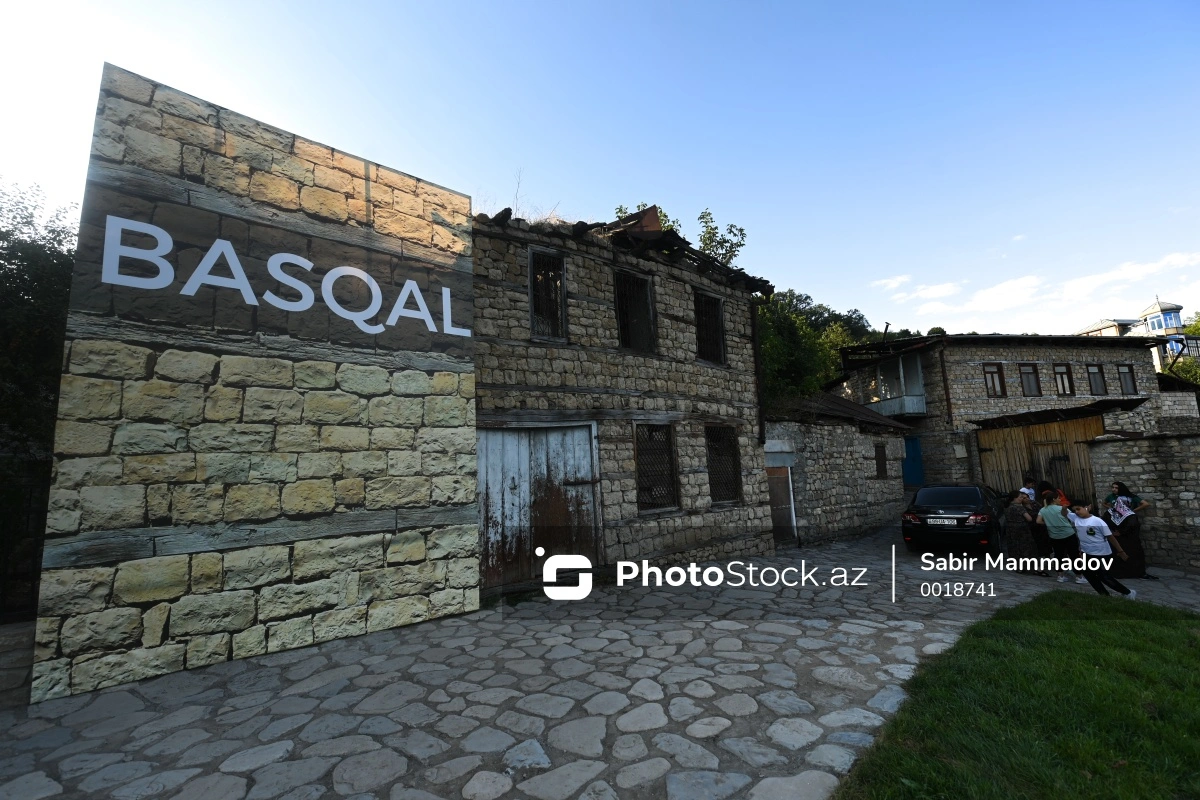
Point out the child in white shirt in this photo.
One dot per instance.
(1095, 539)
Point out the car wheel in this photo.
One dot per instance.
(996, 544)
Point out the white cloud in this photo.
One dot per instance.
(1055, 304)
(892, 283)
(929, 292)
(1020, 237)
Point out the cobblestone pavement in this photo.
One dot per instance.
(690, 695)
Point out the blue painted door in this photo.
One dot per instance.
(914, 469)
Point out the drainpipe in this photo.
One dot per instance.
(756, 345)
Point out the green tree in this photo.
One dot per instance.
(936, 330)
(1188, 369)
(795, 362)
(1192, 325)
(37, 253)
(724, 247)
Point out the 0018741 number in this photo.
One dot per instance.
(953, 589)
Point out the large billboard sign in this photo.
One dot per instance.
(266, 426)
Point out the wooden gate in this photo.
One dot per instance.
(537, 488)
(1053, 451)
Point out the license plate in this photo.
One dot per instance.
(942, 521)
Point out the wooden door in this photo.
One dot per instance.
(1053, 451)
(536, 489)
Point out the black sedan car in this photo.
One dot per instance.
(954, 516)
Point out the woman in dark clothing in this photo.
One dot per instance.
(1018, 535)
(1121, 514)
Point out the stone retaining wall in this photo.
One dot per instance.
(237, 472)
(835, 483)
(1164, 469)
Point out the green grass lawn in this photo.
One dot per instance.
(1067, 696)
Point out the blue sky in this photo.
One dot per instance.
(994, 167)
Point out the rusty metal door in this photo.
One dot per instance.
(537, 488)
(783, 513)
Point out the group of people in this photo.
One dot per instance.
(1042, 521)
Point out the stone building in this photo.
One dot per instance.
(998, 408)
(617, 401)
(834, 469)
(244, 463)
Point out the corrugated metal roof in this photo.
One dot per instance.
(828, 405)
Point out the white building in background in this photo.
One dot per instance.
(1158, 319)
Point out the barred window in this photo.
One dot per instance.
(993, 377)
(1096, 379)
(635, 320)
(1031, 384)
(1128, 382)
(1064, 382)
(710, 328)
(546, 306)
(657, 478)
(724, 465)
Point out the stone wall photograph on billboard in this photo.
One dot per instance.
(266, 425)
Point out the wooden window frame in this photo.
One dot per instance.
(1070, 392)
(620, 274)
(673, 470)
(562, 295)
(999, 373)
(1037, 379)
(1103, 380)
(1122, 371)
(723, 360)
(731, 431)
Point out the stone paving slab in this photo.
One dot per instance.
(695, 695)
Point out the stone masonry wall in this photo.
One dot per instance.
(1164, 469)
(835, 486)
(236, 474)
(590, 378)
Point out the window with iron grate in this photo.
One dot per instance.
(635, 312)
(724, 465)
(710, 328)
(547, 311)
(657, 478)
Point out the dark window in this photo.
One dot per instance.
(1128, 383)
(724, 466)
(654, 452)
(1064, 382)
(993, 376)
(881, 461)
(710, 329)
(1031, 384)
(1096, 379)
(546, 295)
(946, 496)
(635, 313)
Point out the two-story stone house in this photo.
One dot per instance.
(999, 408)
(618, 411)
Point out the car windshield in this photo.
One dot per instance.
(947, 496)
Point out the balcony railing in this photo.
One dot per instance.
(908, 405)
